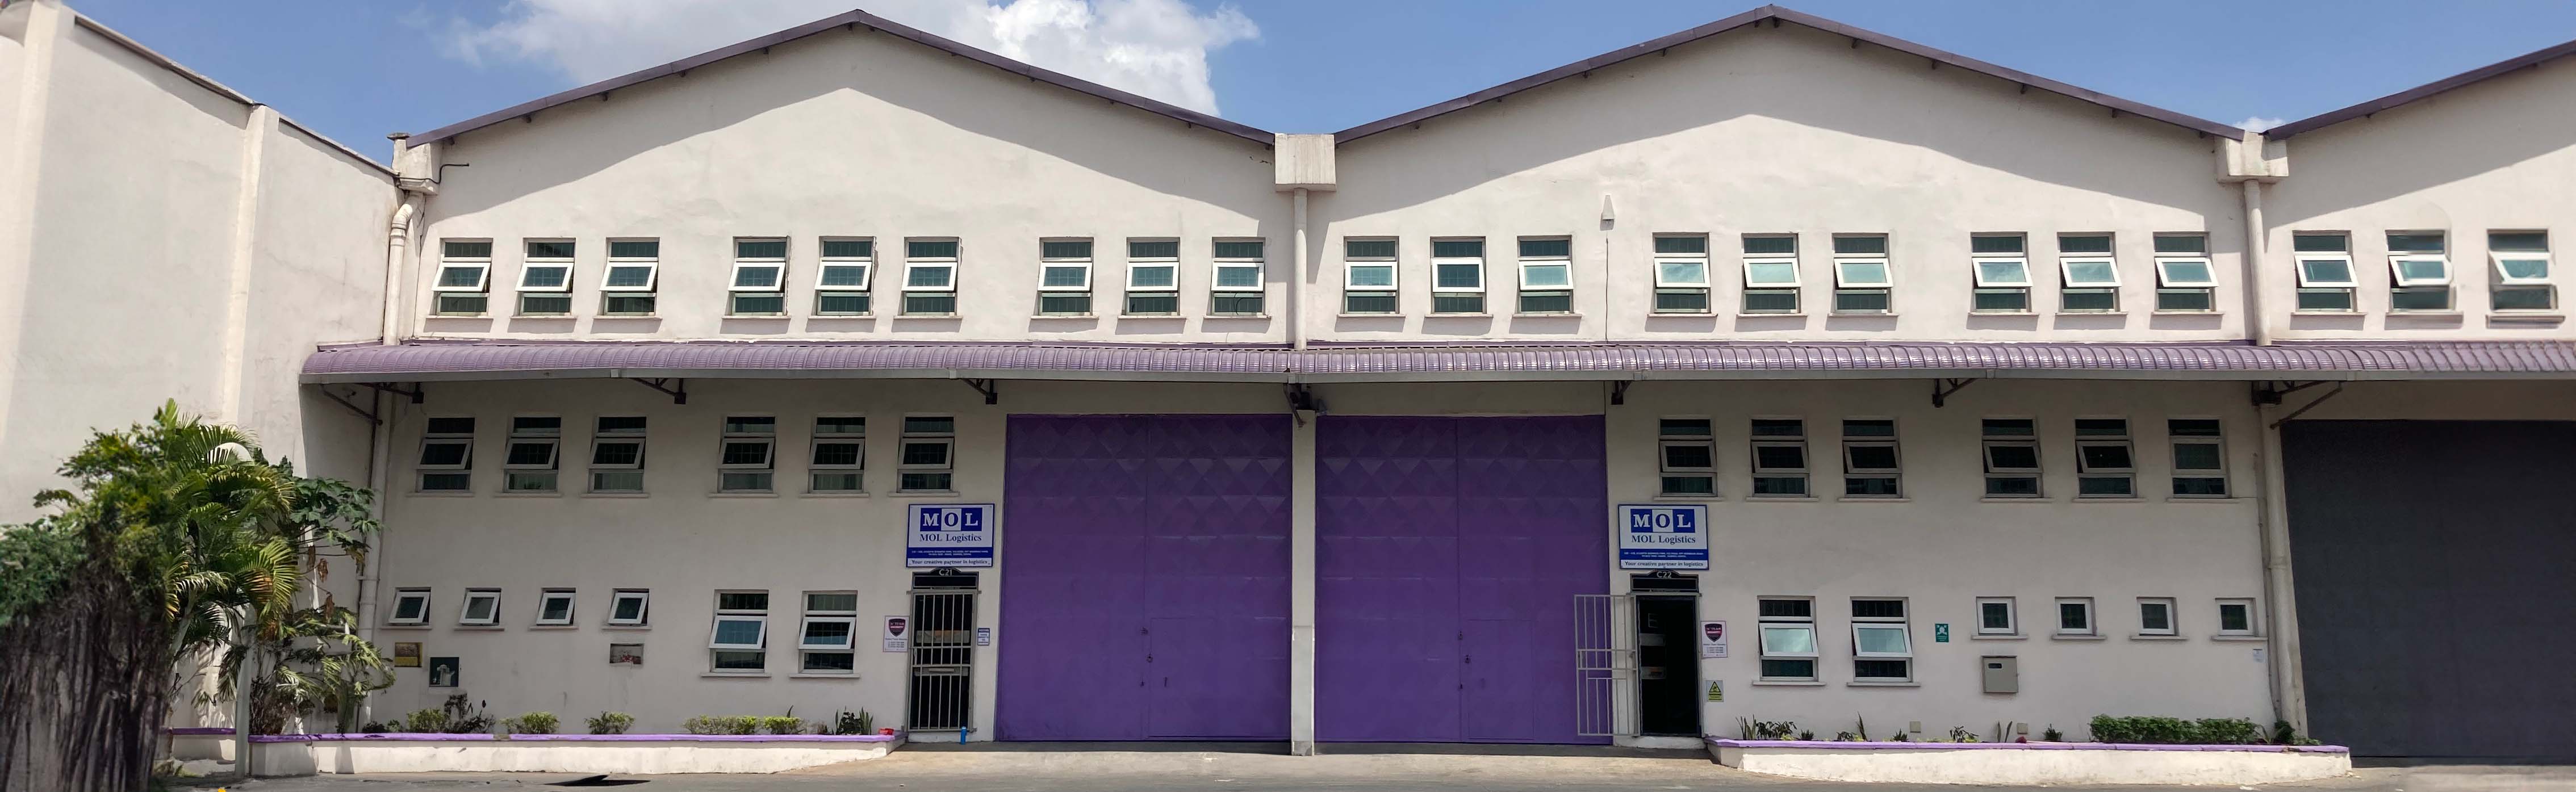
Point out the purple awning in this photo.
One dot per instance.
(499, 360)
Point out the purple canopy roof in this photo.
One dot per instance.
(501, 360)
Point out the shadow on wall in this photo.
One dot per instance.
(2489, 127)
(568, 143)
(1843, 97)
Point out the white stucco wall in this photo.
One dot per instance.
(134, 212)
(2494, 156)
(1942, 548)
(1767, 130)
(854, 134)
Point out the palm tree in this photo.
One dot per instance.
(176, 535)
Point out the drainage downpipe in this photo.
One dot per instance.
(1297, 277)
(2257, 323)
(380, 437)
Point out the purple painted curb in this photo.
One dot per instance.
(2034, 746)
(423, 737)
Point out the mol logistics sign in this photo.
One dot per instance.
(950, 535)
(1663, 536)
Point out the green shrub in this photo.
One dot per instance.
(737, 724)
(611, 723)
(782, 724)
(859, 722)
(428, 721)
(531, 723)
(2155, 730)
(704, 724)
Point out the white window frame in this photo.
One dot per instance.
(1852, 469)
(1565, 262)
(1438, 261)
(2173, 616)
(1663, 459)
(652, 269)
(463, 464)
(2012, 616)
(1700, 258)
(1762, 645)
(2397, 269)
(2039, 463)
(393, 616)
(822, 437)
(1351, 266)
(1171, 263)
(1978, 264)
(867, 266)
(481, 264)
(768, 458)
(551, 439)
(2219, 441)
(2253, 617)
(947, 285)
(570, 599)
(1885, 286)
(2165, 277)
(715, 628)
(599, 438)
(2351, 279)
(734, 288)
(465, 613)
(2125, 440)
(1902, 625)
(1218, 265)
(2092, 618)
(643, 608)
(1844, 280)
(806, 647)
(2510, 279)
(529, 264)
(2066, 271)
(1806, 458)
(1083, 263)
(909, 437)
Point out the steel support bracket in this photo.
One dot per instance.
(2268, 393)
(1943, 388)
(417, 393)
(1302, 399)
(2303, 410)
(992, 390)
(677, 389)
(1619, 392)
(362, 412)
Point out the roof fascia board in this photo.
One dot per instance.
(849, 20)
(2421, 92)
(1778, 14)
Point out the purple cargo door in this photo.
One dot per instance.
(1145, 578)
(1449, 551)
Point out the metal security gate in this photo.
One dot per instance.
(943, 661)
(1605, 665)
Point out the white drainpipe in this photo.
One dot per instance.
(398, 230)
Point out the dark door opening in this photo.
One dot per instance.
(1668, 665)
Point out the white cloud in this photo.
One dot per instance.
(2259, 123)
(1154, 48)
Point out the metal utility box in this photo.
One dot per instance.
(2003, 674)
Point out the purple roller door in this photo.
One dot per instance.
(1145, 578)
(1449, 552)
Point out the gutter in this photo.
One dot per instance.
(413, 193)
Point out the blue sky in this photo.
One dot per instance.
(357, 69)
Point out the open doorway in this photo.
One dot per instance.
(1668, 664)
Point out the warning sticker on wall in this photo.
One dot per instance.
(1712, 639)
(896, 637)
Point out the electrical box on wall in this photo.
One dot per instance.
(2003, 674)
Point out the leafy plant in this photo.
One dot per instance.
(1847, 737)
(1767, 730)
(781, 724)
(2153, 730)
(531, 723)
(729, 724)
(2285, 734)
(176, 539)
(611, 723)
(1861, 727)
(2051, 734)
(427, 721)
(466, 716)
(374, 727)
(846, 722)
(1960, 734)
(1807, 734)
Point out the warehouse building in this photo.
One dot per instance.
(1773, 369)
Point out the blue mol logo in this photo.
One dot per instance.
(1663, 521)
(951, 519)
